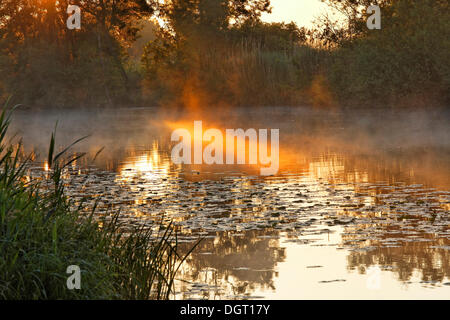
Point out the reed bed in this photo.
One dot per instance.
(41, 234)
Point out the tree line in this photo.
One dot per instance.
(219, 52)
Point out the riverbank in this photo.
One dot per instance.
(251, 63)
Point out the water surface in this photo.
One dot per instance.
(359, 207)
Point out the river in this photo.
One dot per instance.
(358, 209)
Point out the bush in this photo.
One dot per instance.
(408, 57)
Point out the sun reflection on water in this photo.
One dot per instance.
(328, 215)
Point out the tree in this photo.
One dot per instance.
(405, 61)
(191, 30)
(185, 17)
(34, 32)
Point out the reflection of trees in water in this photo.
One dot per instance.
(243, 263)
(416, 165)
(398, 201)
(431, 258)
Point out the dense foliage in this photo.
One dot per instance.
(220, 52)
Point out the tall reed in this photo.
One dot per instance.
(41, 234)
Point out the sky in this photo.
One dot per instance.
(301, 12)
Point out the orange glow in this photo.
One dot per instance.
(320, 94)
(149, 165)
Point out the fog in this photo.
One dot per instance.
(414, 138)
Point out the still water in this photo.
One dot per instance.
(359, 208)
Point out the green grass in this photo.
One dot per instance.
(41, 234)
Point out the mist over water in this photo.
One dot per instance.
(355, 190)
(421, 137)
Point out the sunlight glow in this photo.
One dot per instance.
(302, 12)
